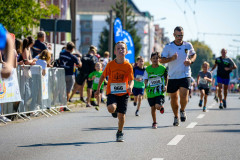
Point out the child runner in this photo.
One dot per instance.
(94, 76)
(203, 79)
(155, 77)
(138, 88)
(120, 84)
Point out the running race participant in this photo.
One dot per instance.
(94, 76)
(155, 78)
(225, 66)
(138, 88)
(120, 84)
(179, 55)
(203, 80)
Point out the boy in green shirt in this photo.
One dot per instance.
(95, 76)
(155, 78)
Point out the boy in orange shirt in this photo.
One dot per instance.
(120, 84)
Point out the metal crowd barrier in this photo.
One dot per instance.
(39, 94)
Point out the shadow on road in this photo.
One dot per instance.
(227, 130)
(227, 109)
(65, 144)
(125, 128)
(220, 124)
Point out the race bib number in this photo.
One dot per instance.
(139, 77)
(202, 81)
(96, 80)
(118, 88)
(153, 82)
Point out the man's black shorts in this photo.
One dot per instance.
(205, 89)
(156, 100)
(175, 84)
(121, 102)
(81, 78)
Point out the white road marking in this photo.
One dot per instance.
(157, 159)
(200, 116)
(176, 139)
(192, 125)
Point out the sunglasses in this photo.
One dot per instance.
(178, 36)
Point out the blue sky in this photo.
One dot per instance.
(211, 16)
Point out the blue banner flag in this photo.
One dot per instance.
(117, 27)
(127, 38)
(122, 35)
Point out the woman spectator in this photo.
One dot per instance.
(26, 51)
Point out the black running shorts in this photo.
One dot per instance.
(175, 84)
(156, 100)
(205, 89)
(121, 102)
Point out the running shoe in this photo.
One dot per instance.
(221, 105)
(97, 108)
(88, 105)
(93, 103)
(134, 103)
(119, 137)
(216, 98)
(114, 114)
(200, 103)
(224, 103)
(154, 126)
(81, 99)
(136, 113)
(176, 121)
(183, 116)
(204, 109)
(162, 110)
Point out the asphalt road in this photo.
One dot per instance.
(90, 135)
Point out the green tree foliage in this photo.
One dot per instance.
(130, 27)
(204, 53)
(20, 16)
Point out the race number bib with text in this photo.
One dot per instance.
(153, 82)
(202, 81)
(96, 80)
(118, 88)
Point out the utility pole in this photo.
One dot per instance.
(110, 35)
(73, 8)
(124, 13)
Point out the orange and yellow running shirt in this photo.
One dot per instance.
(118, 77)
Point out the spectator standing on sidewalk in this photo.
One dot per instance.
(43, 60)
(88, 65)
(225, 66)
(39, 44)
(26, 52)
(67, 61)
(179, 55)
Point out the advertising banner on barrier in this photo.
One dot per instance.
(9, 89)
(45, 85)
